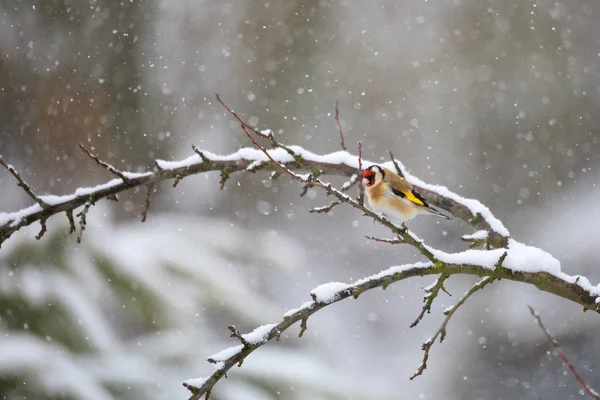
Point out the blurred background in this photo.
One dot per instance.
(496, 100)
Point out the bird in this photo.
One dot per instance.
(393, 196)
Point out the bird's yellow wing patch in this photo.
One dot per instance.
(411, 196)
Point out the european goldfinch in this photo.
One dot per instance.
(393, 196)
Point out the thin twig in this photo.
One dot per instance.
(432, 293)
(325, 209)
(384, 240)
(205, 160)
(147, 202)
(247, 127)
(236, 334)
(103, 164)
(560, 354)
(42, 230)
(354, 179)
(441, 332)
(23, 184)
(337, 121)
(307, 186)
(361, 196)
(83, 220)
(178, 179)
(240, 120)
(224, 177)
(265, 151)
(71, 220)
(398, 170)
(303, 326)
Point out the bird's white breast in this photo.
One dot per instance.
(391, 213)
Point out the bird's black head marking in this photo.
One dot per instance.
(376, 168)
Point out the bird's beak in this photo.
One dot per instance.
(364, 181)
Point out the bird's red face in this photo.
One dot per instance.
(368, 177)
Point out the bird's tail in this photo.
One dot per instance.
(432, 211)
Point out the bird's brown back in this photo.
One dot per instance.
(396, 181)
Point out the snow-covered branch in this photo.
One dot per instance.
(295, 158)
(322, 296)
(246, 159)
(332, 292)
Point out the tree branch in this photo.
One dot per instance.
(236, 162)
(322, 297)
(201, 386)
(243, 160)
